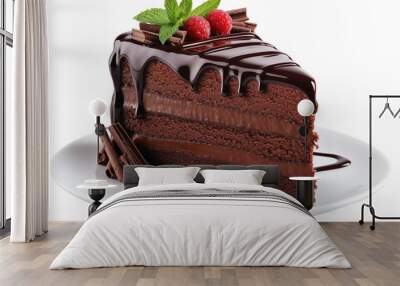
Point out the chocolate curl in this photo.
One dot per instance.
(123, 160)
(239, 24)
(102, 159)
(151, 38)
(251, 25)
(131, 154)
(110, 171)
(149, 28)
(112, 156)
(238, 15)
(240, 29)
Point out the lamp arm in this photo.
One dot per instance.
(100, 130)
(305, 137)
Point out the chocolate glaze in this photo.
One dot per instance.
(243, 56)
(340, 162)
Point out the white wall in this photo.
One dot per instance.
(350, 47)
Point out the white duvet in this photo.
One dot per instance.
(200, 231)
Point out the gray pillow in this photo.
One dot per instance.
(166, 176)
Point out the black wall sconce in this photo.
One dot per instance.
(98, 107)
(305, 108)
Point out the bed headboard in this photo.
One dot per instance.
(271, 177)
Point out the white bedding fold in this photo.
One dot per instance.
(200, 231)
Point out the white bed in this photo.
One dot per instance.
(202, 231)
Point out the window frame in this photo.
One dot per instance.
(6, 39)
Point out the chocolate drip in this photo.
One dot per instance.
(243, 56)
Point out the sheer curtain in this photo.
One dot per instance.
(27, 164)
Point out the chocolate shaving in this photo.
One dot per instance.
(179, 35)
(144, 37)
(130, 153)
(112, 156)
(239, 24)
(110, 171)
(118, 151)
(102, 159)
(149, 35)
(240, 29)
(149, 28)
(238, 15)
(123, 160)
(251, 25)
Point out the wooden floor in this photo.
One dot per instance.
(375, 257)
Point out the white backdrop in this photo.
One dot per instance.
(350, 47)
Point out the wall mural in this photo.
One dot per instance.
(231, 99)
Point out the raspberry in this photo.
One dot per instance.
(220, 21)
(197, 28)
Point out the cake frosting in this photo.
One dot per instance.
(243, 56)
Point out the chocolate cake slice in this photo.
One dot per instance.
(227, 100)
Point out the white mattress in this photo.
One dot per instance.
(200, 231)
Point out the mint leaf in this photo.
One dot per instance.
(185, 7)
(154, 16)
(172, 10)
(167, 31)
(205, 8)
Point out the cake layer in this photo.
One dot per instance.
(265, 146)
(201, 153)
(280, 99)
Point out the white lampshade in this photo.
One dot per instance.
(305, 107)
(97, 107)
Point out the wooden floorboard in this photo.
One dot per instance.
(375, 257)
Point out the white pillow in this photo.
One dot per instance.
(248, 177)
(165, 176)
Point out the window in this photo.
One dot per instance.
(6, 44)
